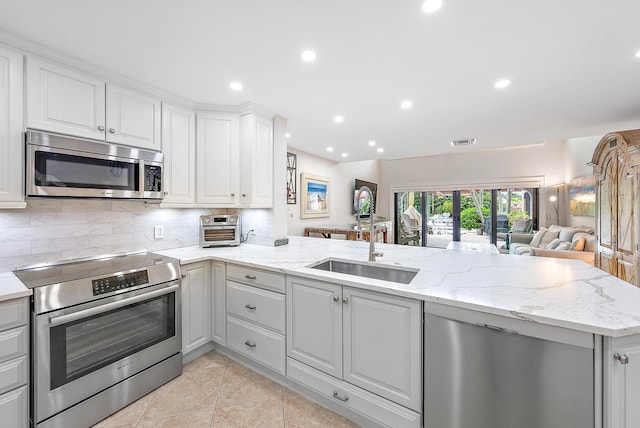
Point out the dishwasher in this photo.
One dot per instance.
(478, 375)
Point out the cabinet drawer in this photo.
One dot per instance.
(257, 343)
(14, 343)
(13, 374)
(14, 313)
(367, 404)
(257, 277)
(256, 305)
(14, 408)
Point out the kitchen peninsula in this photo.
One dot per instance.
(559, 303)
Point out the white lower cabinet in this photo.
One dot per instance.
(14, 363)
(255, 315)
(196, 313)
(621, 362)
(368, 343)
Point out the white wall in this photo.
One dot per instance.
(342, 177)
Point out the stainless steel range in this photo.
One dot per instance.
(105, 332)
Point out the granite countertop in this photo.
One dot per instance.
(558, 292)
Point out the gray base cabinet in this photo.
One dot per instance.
(14, 363)
(369, 343)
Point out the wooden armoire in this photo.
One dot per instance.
(616, 165)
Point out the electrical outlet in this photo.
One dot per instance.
(158, 232)
(252, 227)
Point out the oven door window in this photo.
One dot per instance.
(62, 170)
(83, 346)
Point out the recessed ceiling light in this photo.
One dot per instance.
(372, 143)
(308, 55)
(380, 150)
(344, 155)
(338, 119)
(638, 54)
(329, 149)
(500, 84)
(236, 86)
(406, 104)
(430, 6)
(287, 135)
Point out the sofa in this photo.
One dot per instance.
(556, 241)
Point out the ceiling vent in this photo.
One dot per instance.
(465, 142)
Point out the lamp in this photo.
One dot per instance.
(554, 199)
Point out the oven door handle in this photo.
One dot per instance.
(63, 319)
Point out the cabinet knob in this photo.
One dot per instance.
(345, 300)
(336, 298)
(100, 128)
(112, 131)
(250, 344)
(244, 195)
(250, 307)
(622, 358)
(165, 193)
(344, 398)
(184, 275)
(233, 195)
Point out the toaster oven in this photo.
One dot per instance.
(220, 230)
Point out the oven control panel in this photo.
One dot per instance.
(119, 282)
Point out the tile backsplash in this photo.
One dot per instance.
(55, 229)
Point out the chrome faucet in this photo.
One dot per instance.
(372, 249)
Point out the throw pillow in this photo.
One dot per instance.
(522, 225)
(553, 244)
(548, 237)
(563, 246)
(535, 241)
(567, 233)
(577, 244)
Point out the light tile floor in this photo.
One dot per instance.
(215, 391)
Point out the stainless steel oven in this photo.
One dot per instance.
(105, 332)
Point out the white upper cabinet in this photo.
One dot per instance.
(63, 100)
(133, 118)
(11, 127)
(218, 159)
(256, 146)
(179, 148)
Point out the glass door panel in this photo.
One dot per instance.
(439, 221)
(409, 218)
(475, 216)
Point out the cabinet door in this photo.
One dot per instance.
(262, 164)
(63, 100)
(383, 345)
(133, 118)
(314, 324)
(218, 159)
(622, 383)
(11, 128)
(196, 321)
(14, 408)
(179, 147)
(218, 304)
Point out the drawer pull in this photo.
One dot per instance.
(336, 299)
(250, 276)
(622, 358)
(250, 344)
(250, 307)
(343, 398)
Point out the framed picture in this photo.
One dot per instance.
(314, 199)
(582, 196)
(292, 196)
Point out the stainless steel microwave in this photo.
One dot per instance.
(59, 165)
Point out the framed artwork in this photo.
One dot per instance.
(582, 196)
(314, 199)
(292, 195)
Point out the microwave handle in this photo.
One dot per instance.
(74, 316)
(141, 176)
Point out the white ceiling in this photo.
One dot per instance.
(571, 63)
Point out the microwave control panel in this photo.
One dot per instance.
(152, 178)
(119, 282)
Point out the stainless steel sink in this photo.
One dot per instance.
(402, 275)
